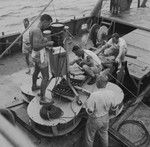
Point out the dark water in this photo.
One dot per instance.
(12, 12)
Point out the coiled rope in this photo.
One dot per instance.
(138, 124)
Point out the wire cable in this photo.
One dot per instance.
(54, 10)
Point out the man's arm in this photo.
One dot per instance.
(37, 40)
(78, 61)
(122, 48)
(90, 107)
(73, 62)
(107, 45)
(119, 55)
(86, 92)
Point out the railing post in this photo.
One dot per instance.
(138, 3)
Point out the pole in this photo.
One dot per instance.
(138, 3)
(97, 8)
(25, 30)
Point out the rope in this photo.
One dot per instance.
(145, 139)
(54, 10)
(25, 30)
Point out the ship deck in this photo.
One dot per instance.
(12, 68)
(135, 17)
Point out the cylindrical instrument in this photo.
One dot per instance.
(58, 61)
(47, 34)
(57, 33)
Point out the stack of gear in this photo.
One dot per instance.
(63, 90)
(50, 112)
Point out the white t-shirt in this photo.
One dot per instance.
(96, 59)
(101, 101)
(121, 44)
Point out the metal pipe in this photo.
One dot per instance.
(25, 30)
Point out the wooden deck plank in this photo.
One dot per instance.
(136, 17)
(139, 44)
(139, 38)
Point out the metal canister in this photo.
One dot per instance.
(47, 34)
(57, 33)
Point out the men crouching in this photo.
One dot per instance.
(38, 43)
(88, 61)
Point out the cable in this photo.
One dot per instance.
(54, 11)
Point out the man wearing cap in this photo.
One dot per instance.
(98, 107)
(83, 57)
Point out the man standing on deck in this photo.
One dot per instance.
(100, 105)
(26, 46)
(38, 43)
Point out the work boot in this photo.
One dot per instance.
(92, 81)
(34, 88)
(44, 100)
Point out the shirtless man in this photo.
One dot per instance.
(26, 46)
(38, 43)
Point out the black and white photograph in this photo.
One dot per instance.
(74, 73)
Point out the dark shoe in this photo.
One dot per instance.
(28, 71)
(34, 88)
(92, 81)
(46, 101)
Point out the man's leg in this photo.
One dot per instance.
(35, 77)
(45, 78)
(90, 72)
(103, 123)
(27, 62)
(90, 132)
